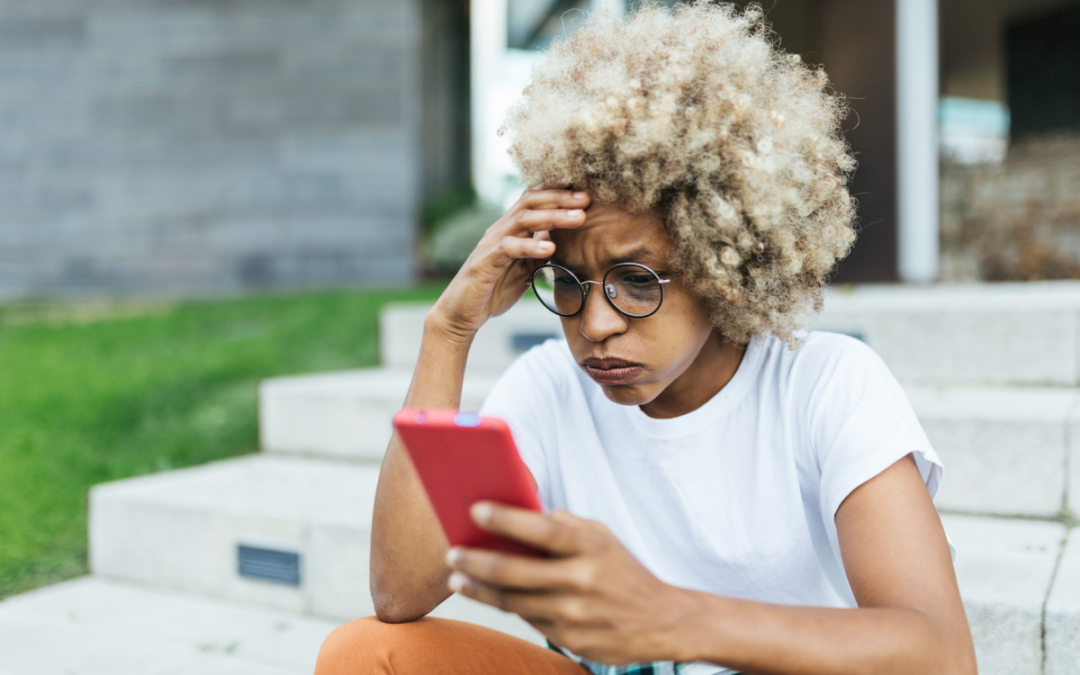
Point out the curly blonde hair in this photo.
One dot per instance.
(693, 112)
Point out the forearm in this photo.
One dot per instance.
(408, 568)
(408, 572)
(756, 637)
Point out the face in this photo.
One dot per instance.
(645, 362)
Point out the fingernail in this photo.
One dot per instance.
(482, 512)
(547, 246)
(579, 195)
(573, 213)
(452, 556)
(457, 581)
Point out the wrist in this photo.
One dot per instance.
(691, 634)
(439, 327)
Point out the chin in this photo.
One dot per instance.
(626, 394)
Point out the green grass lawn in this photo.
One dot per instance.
(92, 393)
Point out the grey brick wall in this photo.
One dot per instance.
(203, 146)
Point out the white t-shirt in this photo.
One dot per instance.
(738, 497)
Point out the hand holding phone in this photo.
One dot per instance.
(463, 458)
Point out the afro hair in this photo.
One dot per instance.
(694, 112)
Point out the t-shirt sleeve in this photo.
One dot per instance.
(859, 421)
(523, 397)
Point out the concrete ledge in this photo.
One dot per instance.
(345, 414)
(1027, 334)
(94, 626)
(181, 530)
(1063, 614)
(1005, 568)
(1005, 449)
(499, 342)
(980, 334)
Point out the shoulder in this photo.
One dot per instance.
(828, 377)
(824, 352)
(821, 355)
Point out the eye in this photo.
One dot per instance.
(564, 280)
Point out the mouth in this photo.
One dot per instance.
(611, 371)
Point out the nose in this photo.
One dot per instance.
(598, 320)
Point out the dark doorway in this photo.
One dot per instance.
(1043, 73)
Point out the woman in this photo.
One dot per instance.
(745, 495)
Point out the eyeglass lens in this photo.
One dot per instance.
(632, 289)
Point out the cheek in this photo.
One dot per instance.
(670, 351)
(687, 328)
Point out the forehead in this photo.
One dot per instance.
(611, 235)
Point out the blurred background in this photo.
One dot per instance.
(198, 148)
(196, 195)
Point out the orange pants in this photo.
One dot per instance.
(434, 647)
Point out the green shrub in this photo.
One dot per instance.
(455, 239)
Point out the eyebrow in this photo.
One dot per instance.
(631, 256)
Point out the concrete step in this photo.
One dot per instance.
(499, 342)
(1005, 569)
(181, 530)
(95, 626)
(344, 415)
(1006, 450)
(284, 533)
(1062, 622)
(1019, 333)
(977, 334)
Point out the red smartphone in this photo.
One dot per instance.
(463, 458)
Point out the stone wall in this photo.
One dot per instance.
(1019, 220)
(207, 146)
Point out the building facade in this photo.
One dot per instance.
(193, 147)
(196, 147)
(931, 85)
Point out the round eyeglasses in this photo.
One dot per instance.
(632, 289)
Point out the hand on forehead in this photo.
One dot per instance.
(611, 236)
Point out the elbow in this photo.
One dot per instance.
(395, 603)
(389, 609)
(400, 598)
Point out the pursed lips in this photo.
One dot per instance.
(610, 370)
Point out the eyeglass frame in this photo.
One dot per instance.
(583, 288)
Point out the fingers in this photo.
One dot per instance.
(561, 537)
(542, 607)
(545, 611)
(511, 248)
(513, 571)
(535, 213)
(540, 209)
(540, 220)
(538, 198)
(565, 517)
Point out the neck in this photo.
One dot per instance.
(712, 369)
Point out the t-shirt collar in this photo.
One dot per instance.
(716, 407)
